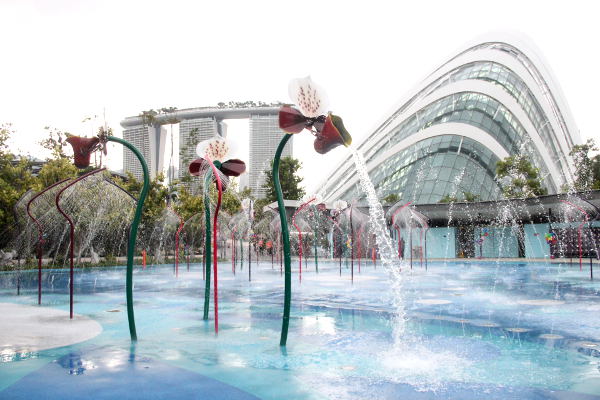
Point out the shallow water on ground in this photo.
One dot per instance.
(503, 330)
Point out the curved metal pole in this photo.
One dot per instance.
(207, 251)
(233, 251)
(215, 244)
(286, 242)
(587, 217)
(71, 233)
(426, 230)
(40, 234)
(133, 233)
(315, 239)
(336, 225)
(181, 223)
(190, 247)
(351, 247)
(398, 230)
(359, 242)
(300, 233)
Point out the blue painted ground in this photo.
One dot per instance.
(108, 373)
(493, 330)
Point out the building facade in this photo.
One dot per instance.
(202, 123)
(265, 136)
(150, 141)
(494, 99)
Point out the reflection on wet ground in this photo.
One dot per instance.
(523, 331)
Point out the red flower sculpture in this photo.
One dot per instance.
(82, 149)
(232, 167)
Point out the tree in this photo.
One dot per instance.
(519, 178)
(188, 204)
(55, 142)
(587, 168)
(15, 180)
(290, 181)
(56, 170)
(155, 202)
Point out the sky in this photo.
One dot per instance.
(65, 60)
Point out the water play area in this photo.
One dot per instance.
(510, 330)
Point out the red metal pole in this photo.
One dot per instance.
(40, 249)
(374, 256)
(398, 228)
(351, 247)
(233, 252)
(215, 244)
(587, 217)
(399, 247)
(421, 245)
(72, 234)
(181, 222)
(300, 233)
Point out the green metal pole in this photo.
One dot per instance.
(286, 243)
(207, 251)
(133, 233)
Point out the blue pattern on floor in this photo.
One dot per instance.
(111, 373)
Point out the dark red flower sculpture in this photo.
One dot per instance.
(233, 167)
(82, 149)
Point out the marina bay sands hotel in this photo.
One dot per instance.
(198, 124)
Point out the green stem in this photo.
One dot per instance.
(286, 243)
(133, 233)
(207, 251)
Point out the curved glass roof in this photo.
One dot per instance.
(479, 110)
(434, 167)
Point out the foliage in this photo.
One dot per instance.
(230, 203)
(15, 180)
(149, 116)
(155, 202)
(56, 142)
(56, 170)
(467, 197)
(259, 204)
(247, 104)
(391, 199)
(519, 178)
(188, 204)
(471, 197)
(184, 158)
(289, 179)
(587, 168)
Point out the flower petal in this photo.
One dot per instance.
(198, 166)
(332, 134)
(291, 120)
(308, 96)
(233, 167)
(215, 149)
